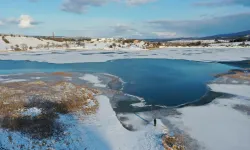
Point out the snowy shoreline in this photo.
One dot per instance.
(62, 57)
(18, 43)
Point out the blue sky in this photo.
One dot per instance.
(124, 18)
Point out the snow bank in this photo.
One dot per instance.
(3, 45)
(196, 54)
(30, 41)
(235, 89)
(92, 79)
(217, 126)
(106, 125)
(14, 80)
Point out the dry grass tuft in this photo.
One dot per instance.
(68, 96)
(51, 98)
(173, 142)
(236, 75)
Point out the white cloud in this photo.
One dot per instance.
(81, 6)
(138, 2)
(165, 34)
(25, 21)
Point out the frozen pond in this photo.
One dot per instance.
(158, 81)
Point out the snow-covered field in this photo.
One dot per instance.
(195, 54)
(217, 126)
(41, 44)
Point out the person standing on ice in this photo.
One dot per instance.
(152, 108)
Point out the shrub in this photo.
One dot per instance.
(243, 44)
(217, 41)
(240, 39)
(5, 40)
(24, 47)
(12, 47)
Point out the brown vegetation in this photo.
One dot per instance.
(66, 74)
(68, 97)
(236, 74)
(5, 40)
(173, 143)
(52, 98)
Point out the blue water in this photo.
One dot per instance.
(158, 81)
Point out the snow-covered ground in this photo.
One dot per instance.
(92, 79)
(99, 131)
(29, 41)
(195, 54)
(32, 112)
(217, 126)
(241, 90)
(41, 44)
(224, 124)
(107, 126)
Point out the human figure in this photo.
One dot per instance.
(154, 122)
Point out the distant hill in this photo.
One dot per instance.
(218, 36)
(229, 35)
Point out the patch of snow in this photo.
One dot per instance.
(141, 104)
(240, 90)
(91, 103)
(32, 112)
(68, 78)
(106, 125)
(3, 45)
(14, 80)
(36, 78)
(92, 79)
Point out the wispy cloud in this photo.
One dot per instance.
(219, 3)
(207, 26)
(81, 6)
(138, 2)
(165, 34)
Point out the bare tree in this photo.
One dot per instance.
(24, 47)
(39, 46)
(47, 45)
(66, 44)
(12, 47)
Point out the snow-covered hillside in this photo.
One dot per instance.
(29, 41)
(14, 43)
